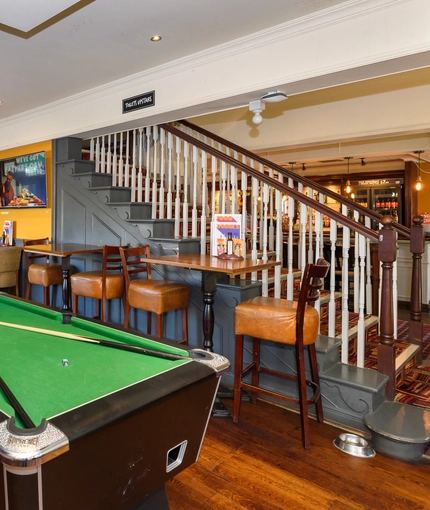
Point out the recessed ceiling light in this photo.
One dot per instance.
(156, 38)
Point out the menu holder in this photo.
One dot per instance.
(232, 256)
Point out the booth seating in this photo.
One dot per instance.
(101, 285)
(10, 261)
(41, 273)
(282, 322)
(154, 296)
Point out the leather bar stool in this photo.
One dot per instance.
(101, 285)
(154, 296)
(282, 322)
(44, 274)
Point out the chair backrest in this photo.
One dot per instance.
(112, 263)
(312, 282)
(29, 257)
(10, 260)
(133, 262)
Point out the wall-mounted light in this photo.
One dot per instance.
(419, 181)
(303, 167)
(348, 184)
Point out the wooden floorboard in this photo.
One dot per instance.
(259, 464)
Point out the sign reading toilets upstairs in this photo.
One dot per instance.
(138, 102)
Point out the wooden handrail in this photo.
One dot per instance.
(283, 188)
(401, 229)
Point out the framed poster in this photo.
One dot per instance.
(23, 181)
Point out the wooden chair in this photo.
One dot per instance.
(44, 274)
(101, 285)
(10, 260)
(282, 322)
(154, 296)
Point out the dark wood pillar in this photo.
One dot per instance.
(386, 353)
(417, 249)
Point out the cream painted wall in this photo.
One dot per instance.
(362, 33)
(31, 223)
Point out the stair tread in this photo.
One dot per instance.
(402, 422)
(369, 321)
(406, 355)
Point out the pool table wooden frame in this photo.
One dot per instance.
(114, 452)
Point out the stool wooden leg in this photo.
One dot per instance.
(185, 325)
(126, 314)
(98, 308)
(255, 367)
(159, 325)
(301, 382)
(104, 313)
(46, 299)
(237, 377)
(316, 379)
(75, 303)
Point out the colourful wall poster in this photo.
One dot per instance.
(222, 226)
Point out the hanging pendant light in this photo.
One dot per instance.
(419, 181)
(348, 184)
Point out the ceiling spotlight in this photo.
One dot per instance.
(274, 96)
(156, 38)
(256, 107)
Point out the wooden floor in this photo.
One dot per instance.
(259, 464)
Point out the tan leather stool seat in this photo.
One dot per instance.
(275, 319)
(282, 322)
(154, 296)
(90, 285)
(103, 285)
(44, 274)
(158, 296)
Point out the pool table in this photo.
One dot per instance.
(109, 426)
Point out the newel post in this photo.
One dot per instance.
(417, 249)
(386, 352)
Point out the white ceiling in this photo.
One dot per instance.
(106, 40)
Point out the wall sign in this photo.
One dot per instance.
(138, 102)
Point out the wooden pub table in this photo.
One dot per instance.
(64, 251)
(209, 267)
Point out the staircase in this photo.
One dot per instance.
(351, 392)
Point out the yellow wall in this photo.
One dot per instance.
(31, 223)
(423, 195)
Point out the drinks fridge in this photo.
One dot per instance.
(385, 196)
